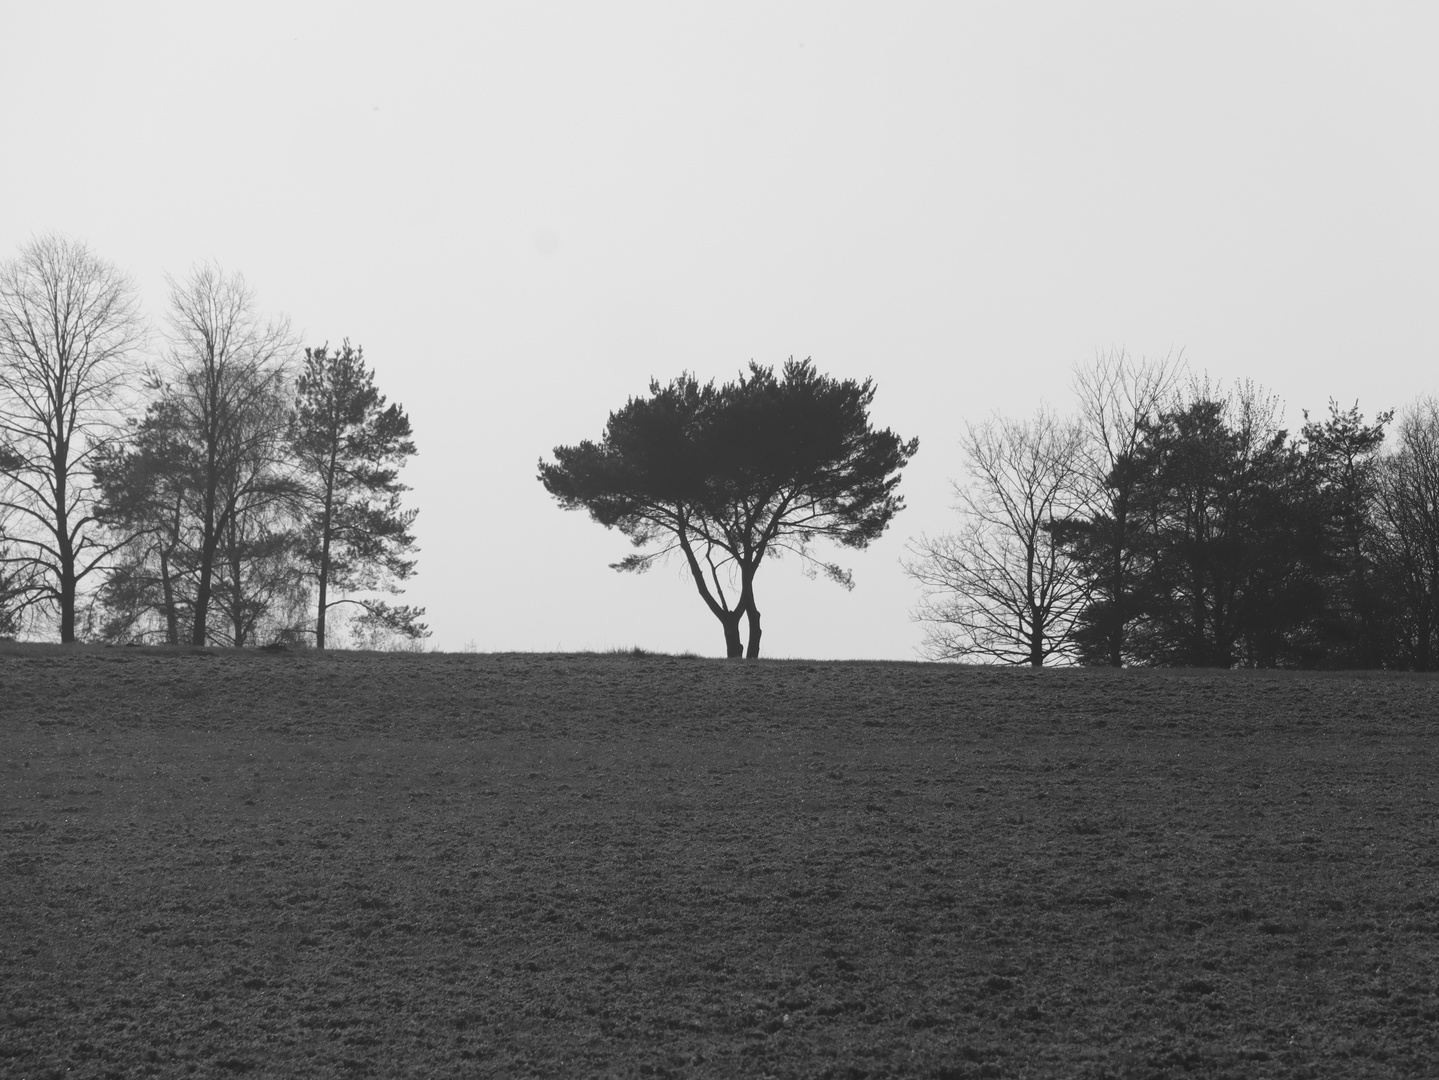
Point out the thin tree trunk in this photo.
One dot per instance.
(172, 617)
(1117, 616)
(729, 618)
(324, 604)
(237, 596)
(202, 591)
(752, 652)
(327, 525)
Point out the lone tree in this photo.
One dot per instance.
(730, 474)
(349, 446)
(69, 328)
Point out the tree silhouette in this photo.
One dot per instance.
(1002, 588)
(225, 384)
(1119, 401)
(1228, 560)
(729, 475)
(69, 329)
(146, 485)
(349, 446)
(1342, 467)
(1408, 514)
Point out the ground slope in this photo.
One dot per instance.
(215, 864)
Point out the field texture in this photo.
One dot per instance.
(350, 865)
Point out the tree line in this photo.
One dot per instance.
(226, 487)
(1175, 522)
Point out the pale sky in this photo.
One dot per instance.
(524, 211)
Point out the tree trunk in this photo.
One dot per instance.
(202, 593)
(752, 653)
(1036, 644)
(324, 606)
(67, 601)
(327, 529)
(202, 600)
(1116, 628)
(733, 647)
(237, 597)
(64, 552)
(172, 617)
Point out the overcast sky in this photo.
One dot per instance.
(524, 211)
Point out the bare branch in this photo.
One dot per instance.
(1000, 588)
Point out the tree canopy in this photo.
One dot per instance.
(69, 332)
(728, 475)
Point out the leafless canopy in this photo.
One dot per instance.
(1118, 397)
(226, 381)
(69, 330)
(1000, 588)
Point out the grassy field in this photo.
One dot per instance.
(216, 864)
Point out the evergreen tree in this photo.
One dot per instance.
(1342, 467)
(730, 475)
(349, 447)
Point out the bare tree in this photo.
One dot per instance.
(1119, 400)
(69, 330)
(1001, 588)
(259, 570)
(225, 375)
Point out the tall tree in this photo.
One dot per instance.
(1408, 515)
(257, 572)
(224, 379)
(349, 446)
(69, 329)
(1342, 463)
(730, 475)
(1228, 570)
(1002, 588)
(1119, 400)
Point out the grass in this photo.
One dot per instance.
(217, 863)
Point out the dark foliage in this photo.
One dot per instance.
(730, 474)
(1224, 542)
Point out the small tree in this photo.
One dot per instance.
(729, 475)
(1001, 588)
(146, 487)
(69, 327)
(349, 446)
